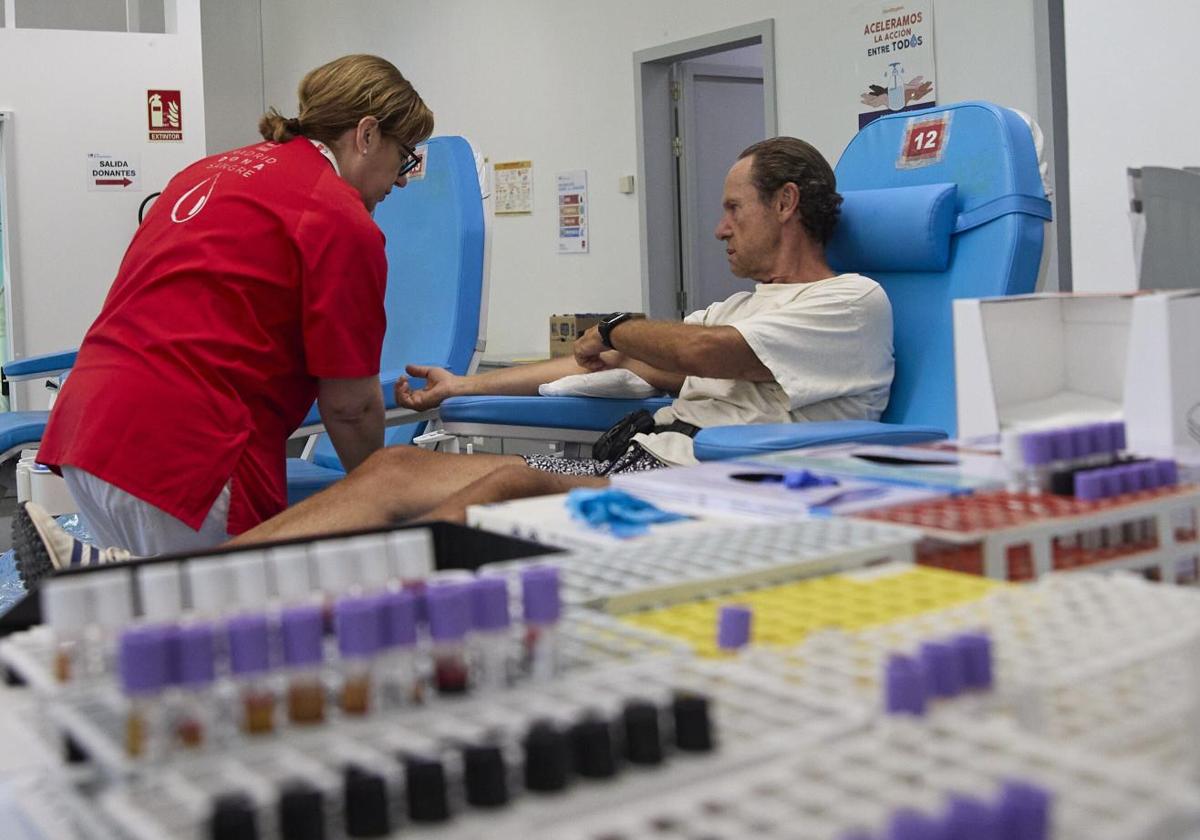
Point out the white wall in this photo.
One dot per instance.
(553, 83)
(233, 67)
(1129, 77)
(72, 93)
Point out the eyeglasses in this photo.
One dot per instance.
(411, 163)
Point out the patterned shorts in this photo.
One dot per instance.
(634, 459)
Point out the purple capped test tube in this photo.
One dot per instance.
(943, 668)
(906, 687)
(542, 602)
(399, 681)
(301, 631)
(910, 824)
(1038, 451)
(250, 666)
(143, 662)
(195, 670)
(734, 623)
(1024, 810)
(448, 605)
(975, 659)
(358, 623)
(968, 818)
(491, 637)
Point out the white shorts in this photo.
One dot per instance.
(121, 519)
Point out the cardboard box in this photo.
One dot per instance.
(564, 329)
(1057, 359)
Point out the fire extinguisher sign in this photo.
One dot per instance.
(164, 113)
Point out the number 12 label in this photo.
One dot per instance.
(924, 141)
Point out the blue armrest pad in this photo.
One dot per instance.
(895, 229)
(45, 363)
(581, 413)
(720, 442)
(21, 428)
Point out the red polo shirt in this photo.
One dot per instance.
(256, 273)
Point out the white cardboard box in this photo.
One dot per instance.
(1058, 359)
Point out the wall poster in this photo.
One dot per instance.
(894, 60)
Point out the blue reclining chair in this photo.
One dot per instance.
(437, 261)
(22, 429)
(968, 222)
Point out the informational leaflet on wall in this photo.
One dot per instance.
(572, 212)
(113, 172)
(894, 60)
(513, 187)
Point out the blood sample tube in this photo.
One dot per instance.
(143, 660)
(250, 665)
(191, 718)
(65, 606)
(491, 637)
(301, 630)
(542, 600)
(449, 609)
(399, 682)
(357, 623)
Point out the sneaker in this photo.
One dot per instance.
(42, 547)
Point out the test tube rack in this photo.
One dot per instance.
(657, 571)
(784, 615)
(1022, 536)
(746, 709)
(1108, 663)
(864, 785)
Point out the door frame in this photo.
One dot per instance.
(657, 171)
(9, 261)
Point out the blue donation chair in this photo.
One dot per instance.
(437, 260)
(962, 220)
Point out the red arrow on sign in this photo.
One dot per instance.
(113, 182)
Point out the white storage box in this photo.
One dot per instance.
(1037, 360)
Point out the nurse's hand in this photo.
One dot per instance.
(439, 384)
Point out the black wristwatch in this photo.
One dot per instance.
(605, 327)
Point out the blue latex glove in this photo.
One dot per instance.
(616, 512)
(802, 479)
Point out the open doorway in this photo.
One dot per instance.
(699, 103)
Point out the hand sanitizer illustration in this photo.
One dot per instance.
(895, 89)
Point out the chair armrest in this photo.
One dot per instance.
(720, 442)
(578, 413)
(46, 364)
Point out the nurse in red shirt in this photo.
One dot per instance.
(254, 286)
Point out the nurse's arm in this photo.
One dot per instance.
(352, 411)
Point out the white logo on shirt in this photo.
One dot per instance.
(198, 206)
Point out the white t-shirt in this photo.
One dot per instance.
(828, 344)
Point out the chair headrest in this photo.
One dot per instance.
(894, 229)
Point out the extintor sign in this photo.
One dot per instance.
(164, 114)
